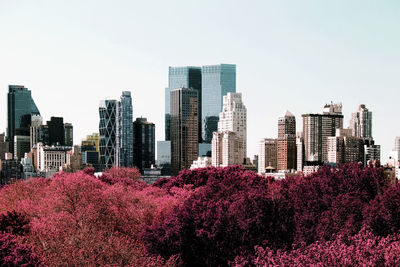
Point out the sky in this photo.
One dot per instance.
(294, 55)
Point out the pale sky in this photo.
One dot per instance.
(295, 55)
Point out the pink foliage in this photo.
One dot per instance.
(363, 249)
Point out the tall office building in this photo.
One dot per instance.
(267, 155)
(124, 139)
(108, 133)
(20, 108)
(316, 130)
(229, 143)
(143, 144)
(286, 149)
(361, 122)
(187, 77)
(68, 134)
(217, 81)
(116, 132)
(184, 128)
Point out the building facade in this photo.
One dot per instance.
(217, 81)
(143, 144)
(286, 149)
(361, 122)
(229, 143)
(184, 128)
(316, 130)
(68, 134)
(267, 153)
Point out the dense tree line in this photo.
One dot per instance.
(348, 216)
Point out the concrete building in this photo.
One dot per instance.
(49, 159)
(267, 155)
(286, 148)
(229, 143)
(316, 130)
(361, 122)
(74, 160)
(345, 148)
(184, 128)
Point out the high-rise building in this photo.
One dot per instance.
(116, 132)
(267, 155)
(229, 143)
(361, 122)
(56, 131)
(187, 77)
(68, 134)
(286, 149)
(108, 133)
(184, 128)
(217, 81)
(143, 144)
(124, 139)
(20, 108)
(316, 130)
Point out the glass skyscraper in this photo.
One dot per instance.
(125, 131)
(108, 129)
(188, 77)
(20, 108)
(116, 132)
(217, 81)
(184, 128)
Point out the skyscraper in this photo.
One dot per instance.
(361, 122)
(108, 133)
(397, 144)
(124, 139)
(229, 143)
(143, 144)
(187, 77)
(217, 81)
(316, 130)
(56, 131)
(184, 128)
(20, 108)
(286, 149)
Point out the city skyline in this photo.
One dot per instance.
(298, 68)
